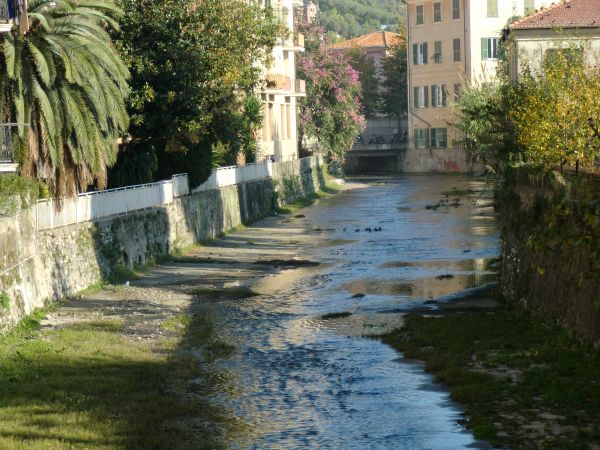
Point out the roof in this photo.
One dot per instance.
(565, 14)
(377, 39)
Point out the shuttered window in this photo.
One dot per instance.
(529, 6)
(489, 48)
(456, 49)
(437, 55)
(420, 137)
(456, 9)
(419, 14)
(439, 137)
(492, 8)
(437, 12)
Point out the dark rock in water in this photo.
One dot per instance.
(336, 315)
(446, 276)
(358, 296)
(466, 251)
(287, 262)
(431, 302)
(300, 216)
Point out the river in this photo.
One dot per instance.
(296, 380)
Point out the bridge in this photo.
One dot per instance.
(376, 154)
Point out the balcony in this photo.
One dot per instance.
(278, 84)
(295, 44)
(299, 88)
(7, 16)
(7, 160)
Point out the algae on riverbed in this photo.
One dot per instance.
(524, 384)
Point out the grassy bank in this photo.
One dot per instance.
(90, 385)
(524, 384)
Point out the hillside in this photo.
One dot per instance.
(351, 18)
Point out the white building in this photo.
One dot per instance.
(450, 43)
(278, 139)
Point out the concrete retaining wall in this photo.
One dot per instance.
(37, 268)
(551, 248)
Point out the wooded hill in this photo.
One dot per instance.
(350, 18)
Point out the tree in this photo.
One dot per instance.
(194, 64)
(479, 121)
(331, 111)
(351, 18)
(66, 81)
(395, 80)
(555, 111)
(369, 81)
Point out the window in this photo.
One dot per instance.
(437, 12)
(439, 137)
(457, 90)
(492, 8)
(489, 48)
(456, 9)
(439, 96)
(419, 14)
(420, 97)
(420, 136)
(420, 54)
(529, 6)
(437, 55)
(456, 49)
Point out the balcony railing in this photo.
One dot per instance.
(279, 83)
(299, 87)
(7, 155)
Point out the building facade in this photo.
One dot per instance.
(278, 138)
(450, 43)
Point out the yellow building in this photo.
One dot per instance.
(450, 43)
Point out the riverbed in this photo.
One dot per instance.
(296, 365)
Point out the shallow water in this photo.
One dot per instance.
(303, 382)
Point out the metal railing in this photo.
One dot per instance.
(7, 155)
(90, 206)
(382, 139)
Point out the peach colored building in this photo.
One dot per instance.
(450, 43)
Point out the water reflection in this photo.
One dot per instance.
(305, 382)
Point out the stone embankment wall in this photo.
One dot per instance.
(37, 268)
(551, 247)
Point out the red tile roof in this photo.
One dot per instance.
(378, 39)
(565, 14)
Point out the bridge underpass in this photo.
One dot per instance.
(369, 158)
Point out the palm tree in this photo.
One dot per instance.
(66, 81)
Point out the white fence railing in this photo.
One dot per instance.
(97, 205)
(112, 202)
(228, 176)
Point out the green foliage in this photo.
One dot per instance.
(506, 368)
(350, 18)
(66, 80)
(4, 300)
(369, 82)
(395, 84)
(479, 119)
(193, 68)
(27, 189)
(555, 111)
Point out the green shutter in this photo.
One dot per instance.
(484, 48)
(426, 95)
(433, 136)
(425, 57)
(444, 95)
(416, 97)
(415, 54)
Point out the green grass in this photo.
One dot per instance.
(88, 386)
(4, 300)
(475, 353)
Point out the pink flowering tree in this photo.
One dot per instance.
(331, 113)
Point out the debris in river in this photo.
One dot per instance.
(446, 276)
(299, 216)
(287, 262)
(359, 295)
(336, 315)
